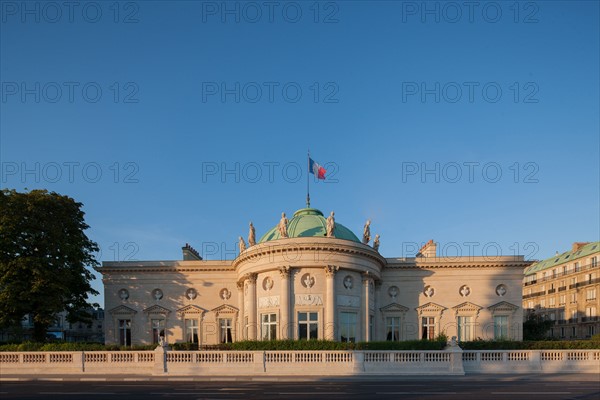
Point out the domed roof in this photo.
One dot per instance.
(309, 222)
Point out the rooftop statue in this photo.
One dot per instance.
(376, 243)
(242, 244)
(283, 222)
(367, 232)
(251, 236)
(330, 225)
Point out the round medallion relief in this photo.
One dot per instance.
(464, 291)
(123, 294)
(348, 282)
(191, 293)
(393, 291)
(428, 291)
(501, 290)
(268, 283)
(225, 294)
(307, 280)
(157, 294)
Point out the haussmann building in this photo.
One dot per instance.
(313, 278)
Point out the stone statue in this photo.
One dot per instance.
(242, 244)
(376, 243)
(367, 232)
(283, 222)
(251, 236)
(330, 225)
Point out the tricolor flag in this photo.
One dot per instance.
(316, 169)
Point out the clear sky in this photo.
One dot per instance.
(473, 124)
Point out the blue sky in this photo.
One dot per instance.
(140, 109)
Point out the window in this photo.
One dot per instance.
(464, 329)
(590, 312)
(530, 304)
(573, 314)
(500, 327)
(269, 326)
(348, 326)
(561, 315)
(594, 262)
(554, 273)
(428, 328)
(392, 329)
(564, 270)
(562, 332)
(158, 329)
(590, 294)
(590, 330)
(552, 316)
(191, 330)
(125, 332)
(577, 267)
(371, 326)
(308, 325)
(225, 327)
(574, 280)
(552, 302)
(573, 298)
(543, 303)
(573, 331)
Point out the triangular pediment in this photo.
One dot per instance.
(467, 306)
(156, 309)
(225, 309)
(122, 310)
(191, 309)
(394, 307)
(503, 306)
(430, 308)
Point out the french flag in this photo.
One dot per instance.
(316, 169)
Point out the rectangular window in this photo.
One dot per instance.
(573, 332)
(590, 312)
(308, 325)
(551, 301)
(348, 326)
(561, 314)
(543, 303)
(500, 327)
(428, 328)
(590, 330)
(562, 332)
(577, 267)
(225, 328)
(552, 316)
(594, 262)
(530, 304)
(371, 327)
(269, 326)
(590, 294)
(158, 329)
(573, 298)
(191, 330)
(392, 329)
(125, 332)
(464, 329)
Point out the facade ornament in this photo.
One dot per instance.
(225, 294)
(376, 243)
(348, 282)
(330, 270)
(242, 244)
(367, 232)
(268, 283)
(428, 291)
(330, 225)
(123, 294)
(251, 236)
(308, 281)
(393, 292)
(251, 277)
(240, 285)
(284, 271)
(464, 291)
(501, 290)
(157, 294)
(191, 293)
(283, 225)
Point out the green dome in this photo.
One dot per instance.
(309, 222)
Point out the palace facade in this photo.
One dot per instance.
(312, 280)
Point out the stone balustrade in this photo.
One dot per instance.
(452, 361)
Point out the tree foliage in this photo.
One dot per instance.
(44, 252)
(535, 327)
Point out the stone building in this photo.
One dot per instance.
(564, 289)
(300, 281)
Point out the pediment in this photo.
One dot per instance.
(191, 309)
(467, 306)
(122, 310)
(430, 308)
(503, 306)
(156, 309)
(225, 309)
(394, 307)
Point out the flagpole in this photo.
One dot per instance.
(308, 180)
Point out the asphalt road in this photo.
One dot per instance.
(488, 387)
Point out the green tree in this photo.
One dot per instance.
(535, 327)
(44, 252)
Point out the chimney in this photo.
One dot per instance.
(578, 245)
(428, 250)
(190, 253)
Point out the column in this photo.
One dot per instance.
(366, 280)
(330, 271)
(252, 324)
(284, 304)
(376, 320)
(241, 335)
